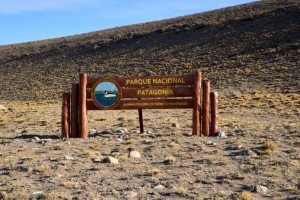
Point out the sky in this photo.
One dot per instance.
(31, 20)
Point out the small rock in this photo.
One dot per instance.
(148, 142)
(97, 160)
(211, 143)
(2, 107)
(37, 195)
(36, 138)
(121, 131)
(131, 194)
(251, 153)
(158, 187)
(59, 175)
(175, 125)
(110, 159)
(222, 134)
(23, 131)
(69, 158)
(92, 131)
(259, 189)
(134, 154)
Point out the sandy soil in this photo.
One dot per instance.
(251, 55)
(261, 148)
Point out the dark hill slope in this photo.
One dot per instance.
(244, 47)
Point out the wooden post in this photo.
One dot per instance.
(83, 123)
(65, 115)
(197, 108)
(141, 121)
(205, 108)
(74, 111)
(214, 114)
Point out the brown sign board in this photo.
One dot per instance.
(149, 92)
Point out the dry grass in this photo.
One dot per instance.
(268, 147)
(71, 184)
(169, 159)
(181, 190)
(246, 195)
(154, 171)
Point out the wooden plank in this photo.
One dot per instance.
(145, 81)
(83, 122)
(214, 114)
(197, 107)
(205, 108)
(74, 111)
(148, 104)
(65, 115)
(153, 92)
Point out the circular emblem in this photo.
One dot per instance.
(106, 94)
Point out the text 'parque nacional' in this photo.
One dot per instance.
(157, 81)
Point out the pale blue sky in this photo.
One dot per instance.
(30, 20)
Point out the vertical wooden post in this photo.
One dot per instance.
(205, 108)
(83, 123)
(65, 115)
(141, 121)
(214, 114)
(74, 111)
(197, 107)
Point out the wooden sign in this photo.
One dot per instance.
(125, 93)
(140, 93)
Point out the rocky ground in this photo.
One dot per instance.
(251, 55)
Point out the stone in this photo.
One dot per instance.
(92, 131)
(69, 158)
(2, 107)
(120, 131)
(37, 195)
(175, 125)
(158, 187)
(97, 160)
(110, 159)
(222, 134)
(134, 154)
(250, 153)
(131, 194)
(211, 143)
(260, 189)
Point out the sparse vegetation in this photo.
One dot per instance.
(246, 195)
(249, 52)
(268, 147)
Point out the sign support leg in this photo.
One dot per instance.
(205, 108)
(141, 121)
(65, 117)
(197, 108)
(214, 114)
(83, 123)
(74, 111)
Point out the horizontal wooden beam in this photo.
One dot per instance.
(147, 104)
(153, 92)
(145, 81)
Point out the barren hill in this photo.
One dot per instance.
(249, 52)
(250, 46)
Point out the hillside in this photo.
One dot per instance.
(243, 47)
(251, 53)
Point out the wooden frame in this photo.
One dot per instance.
(139, 93)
